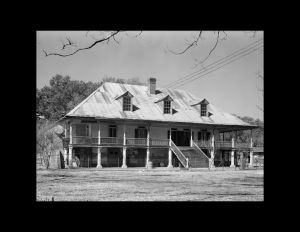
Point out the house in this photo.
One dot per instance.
(121, 125)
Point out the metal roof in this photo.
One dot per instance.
(102, 104)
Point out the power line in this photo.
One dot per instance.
(173, 83)
(220, 67)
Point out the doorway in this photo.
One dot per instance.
(114, 157)
(181, 138)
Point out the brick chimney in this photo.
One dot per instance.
(152, 85)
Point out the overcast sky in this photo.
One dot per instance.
(232, 88)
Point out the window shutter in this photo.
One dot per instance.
(208, 136)
(81, 130)
(193, 135)
(136, 133)
(146, 133)
(168, 134)
(199, 135)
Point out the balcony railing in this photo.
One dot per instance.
(159, 142)
(219, 144)
(84, 140)
(136, 141)
(242, 145)
(112, 141)
(201, 143)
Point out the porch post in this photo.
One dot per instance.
(124, 142)
(70, 157)
(99, 158)
(65, 131)
(191, 137)
(148, 146)
(71, 136)
(99, 135)
(232, 152)
(124, 157)
(251, 151)
(65, 155)
(212, 153)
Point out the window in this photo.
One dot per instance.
(82, 130)
(112, 131)
(203, 136)
(203, 110)
(126, 104)
(167, 107)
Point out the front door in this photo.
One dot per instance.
(114, 157)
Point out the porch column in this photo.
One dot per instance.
(191, 137)
(212, 153)
(148, 146)
(251, 151)
(65, 155)
(170, 159)
(124, 142)
(232, 152)
(99, 158)
(70, 157)
(147, 156)
(71, 137)
(124, 157)
(99, 136)
(65, 131)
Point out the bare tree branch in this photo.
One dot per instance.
(80, 49)
(134, 36)
(189, 45)
(254, 33)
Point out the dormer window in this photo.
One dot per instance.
(167, 107)
(127, 103)
(203, 110)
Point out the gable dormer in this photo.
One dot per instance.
(202, 107)
(126, 101)
(166, 104)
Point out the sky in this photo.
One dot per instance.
(232, 88)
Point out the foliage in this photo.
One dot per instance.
(245, 135)
(64, 94)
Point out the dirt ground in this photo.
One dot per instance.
(84, 184)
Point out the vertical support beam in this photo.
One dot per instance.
(148, 145)
(99, 158)
(212, 153)
(99, 135)
(170, 136)
(71, 136)
(170, 159)
(70, 157)
(251, 151)
(124, 142)
(124, 157)
(191, 137)
(65, 155)
(232, 151)
(65, 131)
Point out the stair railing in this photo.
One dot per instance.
(179, 154)
(200, 152)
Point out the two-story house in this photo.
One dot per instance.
(121, 125)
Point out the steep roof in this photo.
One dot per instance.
(102, 104)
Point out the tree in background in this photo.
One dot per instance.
(64, 94)
(245, 135)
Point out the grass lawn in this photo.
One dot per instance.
(84, 184)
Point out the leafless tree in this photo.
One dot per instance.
(48, 139)
(261, 90)
(101, 37)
